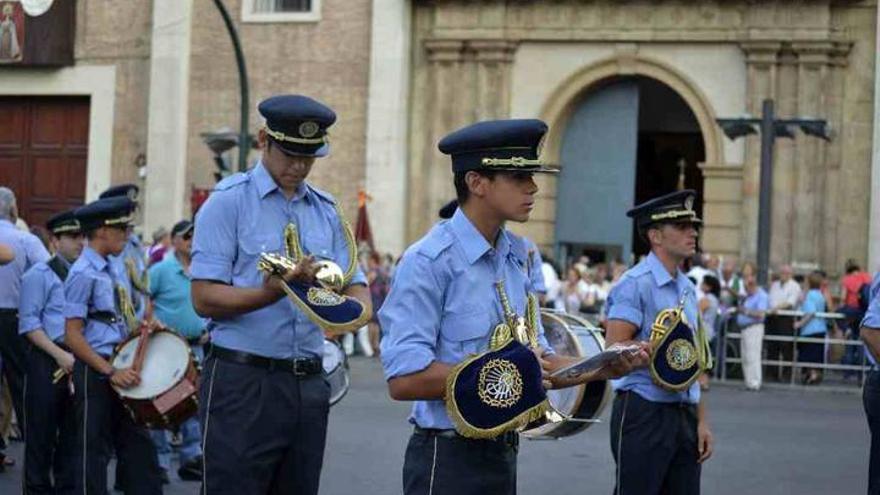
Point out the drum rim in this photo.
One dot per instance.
(135, 335)
(537, 432)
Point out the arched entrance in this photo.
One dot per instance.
(628, 139)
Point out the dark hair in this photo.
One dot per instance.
(852, 266)
(462, 193)
(43, 235)
(815, 278)
(713, 284)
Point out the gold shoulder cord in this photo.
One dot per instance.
(141, 281)
(515, 326)
(126, 308)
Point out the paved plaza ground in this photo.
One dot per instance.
(774, 442)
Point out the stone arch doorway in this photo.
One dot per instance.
(621, 138)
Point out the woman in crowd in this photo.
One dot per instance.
(574, 291)
(709, 307)
(813, 327)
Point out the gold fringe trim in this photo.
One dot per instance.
(332, 328)
(468, 430)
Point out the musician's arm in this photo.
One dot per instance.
(871, 337)
(39, 338)
(219, 301)
(411, 318)
(76, 341)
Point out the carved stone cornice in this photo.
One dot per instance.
(493, 50)
(761, 52)
(444, 50)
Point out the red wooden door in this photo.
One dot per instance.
(43, 153)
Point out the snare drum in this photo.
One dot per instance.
(573, 409)
(168, 392)
(336, 370)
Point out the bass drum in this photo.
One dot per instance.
(336, 370)
(573, 409)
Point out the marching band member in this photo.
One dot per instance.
(131, 263)
(263, 400)
(96, 309)
(49, 421)
(659, 432)
(450, 289)
(870, 334)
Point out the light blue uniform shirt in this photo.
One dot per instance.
(641, 293)
(28, 251)
(172, 302)
(245, 216)
(90, 287)
(534, 266)
(872, 316)
(759, 301)
(42, 302)
(443, 305)
(814, 302)
(134, 250)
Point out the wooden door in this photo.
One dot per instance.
(43, 153)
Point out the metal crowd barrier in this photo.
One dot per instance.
(724, 337)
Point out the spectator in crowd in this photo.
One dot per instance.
(750, 319)
(785, 294)
(379, 282)
(161, 245)
(709, 308)
(574, 290)
(854, 293)
(731, 284)
(551, 283)
(591, 302)
(813, 327)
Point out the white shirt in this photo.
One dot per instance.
(787, 294)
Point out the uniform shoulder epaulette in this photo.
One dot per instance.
(438, 240)
(233, 180)
(322, 194)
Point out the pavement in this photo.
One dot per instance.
(777, 441)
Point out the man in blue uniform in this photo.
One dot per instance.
(170, 292)
(659, 438)
(27, 250)
(263, 401)
(49, 421)
(94, 314)
(444, 304)
(870, 334)
(131, 263)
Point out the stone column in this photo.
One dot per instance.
(165, 191)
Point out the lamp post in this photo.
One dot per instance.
(770, 128)
(219, 142)
(243, 137)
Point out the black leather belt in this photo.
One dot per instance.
(510, 438)
(677, 404)
(106, 317)
(299, 367)
(9, 311)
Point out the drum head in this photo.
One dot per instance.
(336, 371)
(166, 361)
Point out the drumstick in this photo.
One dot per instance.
(58, 375)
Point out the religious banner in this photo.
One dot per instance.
(12, 32)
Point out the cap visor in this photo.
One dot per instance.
(324, 150)
(543, 169)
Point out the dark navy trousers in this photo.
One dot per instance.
(871, 400)
(264, 430)
(49, 428)
(103, 426)
(655, 447)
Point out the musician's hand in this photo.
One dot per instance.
(545, 367)
(705, 442)
(125, 378)
(626, 362)
(65, 362)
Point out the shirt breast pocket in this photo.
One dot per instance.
(464, 333)
(103, 295)
(320, 246)
(249, 249)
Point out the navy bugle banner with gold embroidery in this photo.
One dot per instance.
(677, 357)
(335, 313)
(495, 392)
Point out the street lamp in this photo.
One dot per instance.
(770, 128)
(219, 142)
(243, 86)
